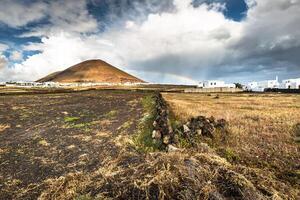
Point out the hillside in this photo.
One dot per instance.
(91, 71)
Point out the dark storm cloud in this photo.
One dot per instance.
(116, 11)
(267, 47)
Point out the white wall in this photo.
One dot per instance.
(261, 85)
(291, 83)
(212, 84)
(231, 85)
(295, 85)
(268, 84)
(251, 85)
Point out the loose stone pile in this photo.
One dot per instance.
(297, 132)
(199, 126)
(204, 126)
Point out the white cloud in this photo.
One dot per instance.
(16, 13)
(59, 52)
(184, 45)
(250, 3)
(66, 16)
(3, 47)
(180, 33)
(3, 59)
(177, 42)
(16, 56)
(3, 62)
(271, 32)
(31, 46)
(72, 16)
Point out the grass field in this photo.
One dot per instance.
(262, 131)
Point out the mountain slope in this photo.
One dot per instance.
(91, 71)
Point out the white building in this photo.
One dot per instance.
(252, 85)
(215, 84)
(290, 84)
(260, 86)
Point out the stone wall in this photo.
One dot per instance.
(162, 129)
(164, 133)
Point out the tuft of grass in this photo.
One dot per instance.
(84, 126)
(111, 114)
(71, 123)
(126, 125)
(143, 139)
(71, 119)
(43, 143)
(3, 127)
(228, 154)
(81, 125)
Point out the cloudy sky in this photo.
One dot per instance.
(164, 41)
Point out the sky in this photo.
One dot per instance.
(160, 41)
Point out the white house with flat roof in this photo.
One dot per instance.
(215, 84)
(290, 84)
(260, 86)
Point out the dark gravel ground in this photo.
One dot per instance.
(50, 135)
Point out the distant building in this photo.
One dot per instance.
(215, 84)
(47, 84)
(290, 84)
(260, 86)
(251, 85)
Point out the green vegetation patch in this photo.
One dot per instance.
(71, 123)
(228, 154)
(43, 142)
(111, 114)
(125, 125)
(71, 119)
(143, 139)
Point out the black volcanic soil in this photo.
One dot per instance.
(47, 136)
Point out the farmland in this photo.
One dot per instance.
(97, 144)
(47, 136)
(262, 131)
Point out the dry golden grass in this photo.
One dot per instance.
(261, 128)
(184, 175)
(3, 127)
